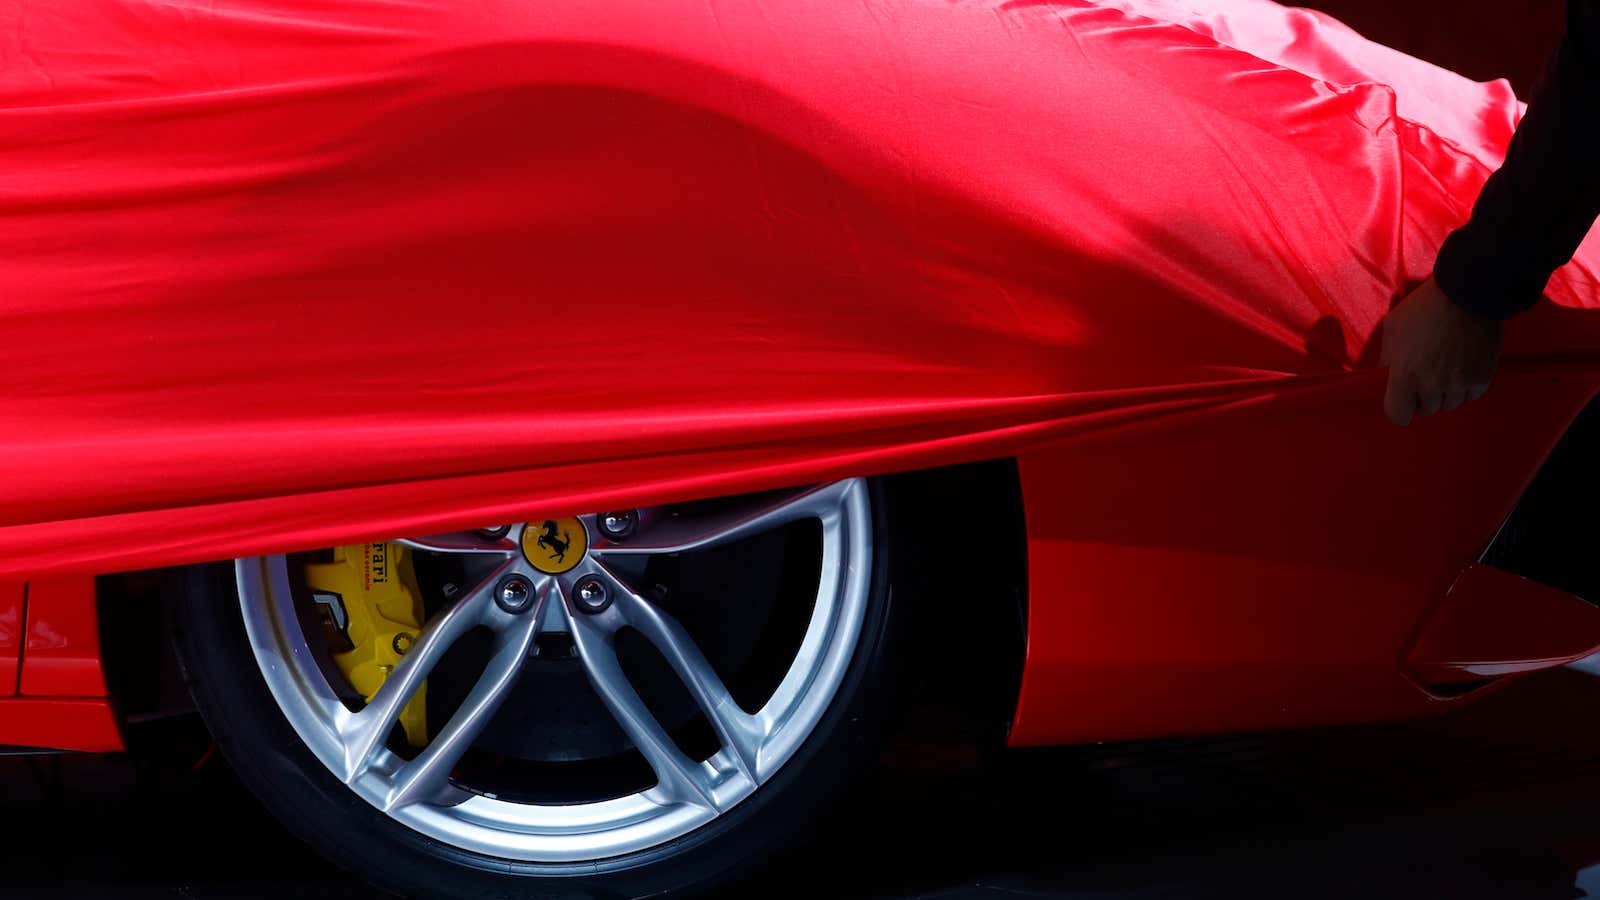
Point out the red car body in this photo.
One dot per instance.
(1233, 591)
(1280, 557)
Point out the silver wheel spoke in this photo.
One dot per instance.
(740, 733)
(682, 533)
(677, 775)
(366, 730)
(427, 778)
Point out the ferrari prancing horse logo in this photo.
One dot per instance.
(555, 545)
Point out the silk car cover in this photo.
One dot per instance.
(279, 275)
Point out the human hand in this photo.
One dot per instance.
(1439, 355)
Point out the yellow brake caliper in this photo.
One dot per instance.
(369, 594)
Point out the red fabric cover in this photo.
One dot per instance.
(281, 275)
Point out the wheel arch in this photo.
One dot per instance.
(144, 681)
(973, 619)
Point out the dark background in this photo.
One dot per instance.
(1482, 39)
(1497, 801)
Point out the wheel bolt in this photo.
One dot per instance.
(495, 532)
(591, 595)
(515, 594)
(619, 524)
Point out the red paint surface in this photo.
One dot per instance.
(11, 599)
(1149, 260)
(61, 657)
(87, 725)
(1267, 565)
(1494, 623)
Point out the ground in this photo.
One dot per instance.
(1496, 801)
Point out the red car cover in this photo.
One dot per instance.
(284, 274)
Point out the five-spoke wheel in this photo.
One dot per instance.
(597, 595)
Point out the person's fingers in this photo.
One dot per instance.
(1477, 390)
(1482, 376)
(1454, 396)
(1429, 399)
(1399, 400)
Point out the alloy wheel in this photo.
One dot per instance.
(589, 596)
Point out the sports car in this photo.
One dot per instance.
(554, 441)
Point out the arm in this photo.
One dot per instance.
(1535, 210)
(1442, 342)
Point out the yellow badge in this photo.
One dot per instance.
(554, 546)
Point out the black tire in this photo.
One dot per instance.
(281, 771)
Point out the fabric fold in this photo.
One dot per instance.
(278, 278)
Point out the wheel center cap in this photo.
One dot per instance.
(554, 546)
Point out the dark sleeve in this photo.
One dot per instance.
(1535, 210)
